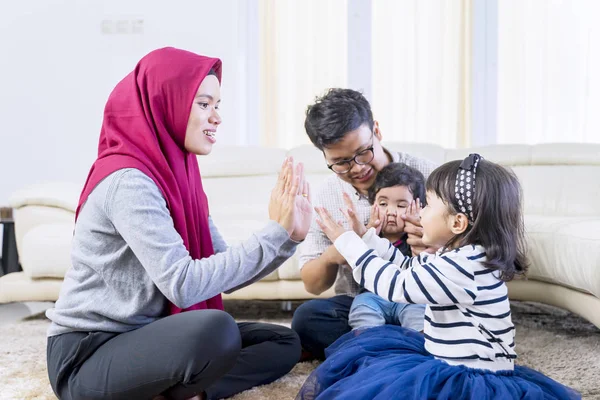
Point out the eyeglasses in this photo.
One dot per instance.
(361, 158)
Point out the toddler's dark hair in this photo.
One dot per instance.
(399, 174)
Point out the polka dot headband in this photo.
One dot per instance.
(464, 187)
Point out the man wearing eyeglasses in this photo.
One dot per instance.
(341, 125)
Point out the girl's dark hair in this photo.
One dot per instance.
(497, 212)
(399, 174)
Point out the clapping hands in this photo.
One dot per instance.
(334, 229)
(290, 200)
(412, 226)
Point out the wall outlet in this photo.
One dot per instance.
(122, 26)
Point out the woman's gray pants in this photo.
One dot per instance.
(178, 356)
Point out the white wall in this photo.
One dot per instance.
(59, 61)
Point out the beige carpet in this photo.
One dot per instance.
(553, 341)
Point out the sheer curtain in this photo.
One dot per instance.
(303, 51)
(421, 70)
(548, 71)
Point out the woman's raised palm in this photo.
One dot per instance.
(290, 201)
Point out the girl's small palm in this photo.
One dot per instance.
(303, 211)
(332, 229)
(414, 209)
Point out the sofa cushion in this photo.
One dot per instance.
(427, 151)
(46, 250)
(311, 157)
(565, 250)
(17, 286)
(28, 217)
(63, 195)
(280, 290)
(231, 161)
(565, 154)
(290, 271)
(560, 190)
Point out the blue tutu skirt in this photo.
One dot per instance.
(390, 362)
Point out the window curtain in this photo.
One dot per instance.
(548, 71)
(303, 51)
(421, 70)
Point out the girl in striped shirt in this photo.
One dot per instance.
(473, 215)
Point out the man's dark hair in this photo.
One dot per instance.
(336, 113)
(399, 174)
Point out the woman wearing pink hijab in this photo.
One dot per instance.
(144, 247)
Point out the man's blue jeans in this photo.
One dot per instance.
(321, 322)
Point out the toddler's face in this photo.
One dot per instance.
(393, 202)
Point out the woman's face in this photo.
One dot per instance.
(200, 134)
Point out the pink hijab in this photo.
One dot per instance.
(144, 126)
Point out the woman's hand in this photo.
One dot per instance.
(355, 223)
(289, 205)
(331, 228)
(283, 197)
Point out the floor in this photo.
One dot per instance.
(12, 312)
(556, 342)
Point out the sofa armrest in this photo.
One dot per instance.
(63, 195)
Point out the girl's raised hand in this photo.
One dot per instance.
(331, 228)
(414, 210)
(303, 207)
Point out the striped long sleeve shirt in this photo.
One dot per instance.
(330, 196)
(467, 318)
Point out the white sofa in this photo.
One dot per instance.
(562, 216)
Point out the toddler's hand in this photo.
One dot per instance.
(351, 216)
(374, 219)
